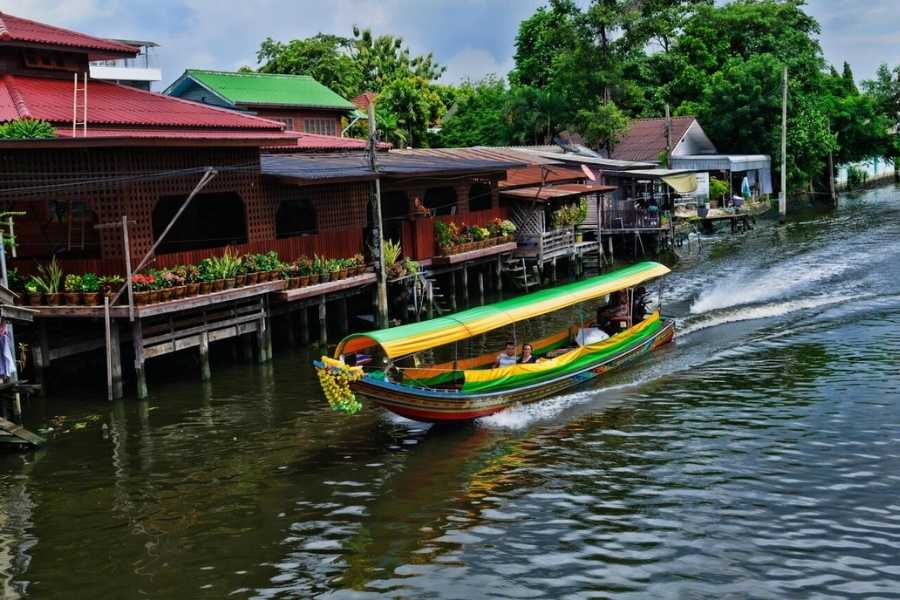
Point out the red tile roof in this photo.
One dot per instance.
(534, 175)
(646, 138)
(363, 101)
(16, 29)
(318, 142)
(116, 106)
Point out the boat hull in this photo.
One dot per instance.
(429, 405)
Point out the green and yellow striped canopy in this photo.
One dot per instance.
(416, 337)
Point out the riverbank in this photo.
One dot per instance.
(756, 453)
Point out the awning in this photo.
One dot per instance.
(552, 192)
(416, 337)
(736, 163)
(683, 184)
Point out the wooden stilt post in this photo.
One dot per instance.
(42, 357)
(429, 307)
(137, 340)
(465, 283)
(323, 322)
(553, 272)
(481, 287)
(343, 316)
(261, 335)
(205, 373)
(453, 290)
(500, 275)
(304, 326)
(115, 348)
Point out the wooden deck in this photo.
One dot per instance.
(462, 257)
(313, 291)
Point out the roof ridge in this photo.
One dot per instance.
(252, 74)
(102, 41)
(663, 118)
(16, 96)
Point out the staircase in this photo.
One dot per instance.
(418, 301)
(523, 276)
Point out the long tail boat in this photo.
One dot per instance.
(466, 389)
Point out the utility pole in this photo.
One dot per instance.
(381, 318)
(782, 198)
(668, 138)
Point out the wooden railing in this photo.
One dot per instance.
(546, 245)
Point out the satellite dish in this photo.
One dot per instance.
(588, 173)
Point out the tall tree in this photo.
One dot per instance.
(324, 57)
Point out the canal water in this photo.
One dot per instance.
(758, 457)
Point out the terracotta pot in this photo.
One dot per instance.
(35, 299)
(304, 281)
(166, 294)
(218, 285)
(240, 280)
(252, 278)
(314, 278)
(52, 299)
(293, 283)
(92, 298)
(73, 298)
(192, 289)
(154, 296)
(264, 276)
(324, 277)
(229, 284)
(343, 273)
(178, 292)
(141, 298)
(205, 287)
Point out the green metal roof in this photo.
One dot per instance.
(270, 88)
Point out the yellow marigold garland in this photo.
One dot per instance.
(335, 380)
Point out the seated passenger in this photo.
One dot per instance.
(610, 318)
(528, 356)
(639, 308)
(507, 357)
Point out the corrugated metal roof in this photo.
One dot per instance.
(551, 192)
(480, 153)
(646, 138)
(541, 174)
(116, 105)
(319, 142)
(301, 167)
(595, 161)
(266, 89)
(16, 29)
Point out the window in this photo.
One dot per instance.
(480, 196)
(210, 221)
(288, 122)
(441, 200)
(295, 217)
(320, 126)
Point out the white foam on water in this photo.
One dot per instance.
(763, 311)
(521, 416)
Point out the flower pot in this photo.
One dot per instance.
(303, 281)
(356, 271)
(252, 278)
(52, 299)
(240, 280)
(314, 279)
(293, 283)
(192, 289)
(264, 276)
(154, 296)
(218, 285)
(166, 294)
(324, 277)
(229, 283)
(73, 298)
(35, 299)
(178, 292)
(92, 298)
(343, 273)
(141, 298)
(205, 287)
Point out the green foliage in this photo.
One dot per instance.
(26, 128)
(324, 57)
(856, 177)
(90, 283)
(602, 126)
(72, 283)
(569, 215)
(414, 105)
(390, 252)
(717, 188)
(479, 115)
(49, 278)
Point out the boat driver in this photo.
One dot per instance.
(507, 357)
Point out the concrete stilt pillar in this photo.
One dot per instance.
(323, 323)
(481, 287)
(116, 355)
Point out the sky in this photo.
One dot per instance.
(471, 37)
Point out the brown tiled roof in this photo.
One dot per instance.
(646, 138)
(537, 174)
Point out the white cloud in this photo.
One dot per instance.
(474, 63)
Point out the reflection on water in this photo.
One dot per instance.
(756, 457)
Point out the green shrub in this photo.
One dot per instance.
(27, 128)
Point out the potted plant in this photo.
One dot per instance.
(72, 288)
(191, 280)
(15, 283)
(51, 277)
(90, 289)
(303, 271)
(360, 261)
(141, 284)
(508, 228)
(443, 237)
(33, 289)
(248, 265)
(166, 280)
(342, 268)
(334, 268)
